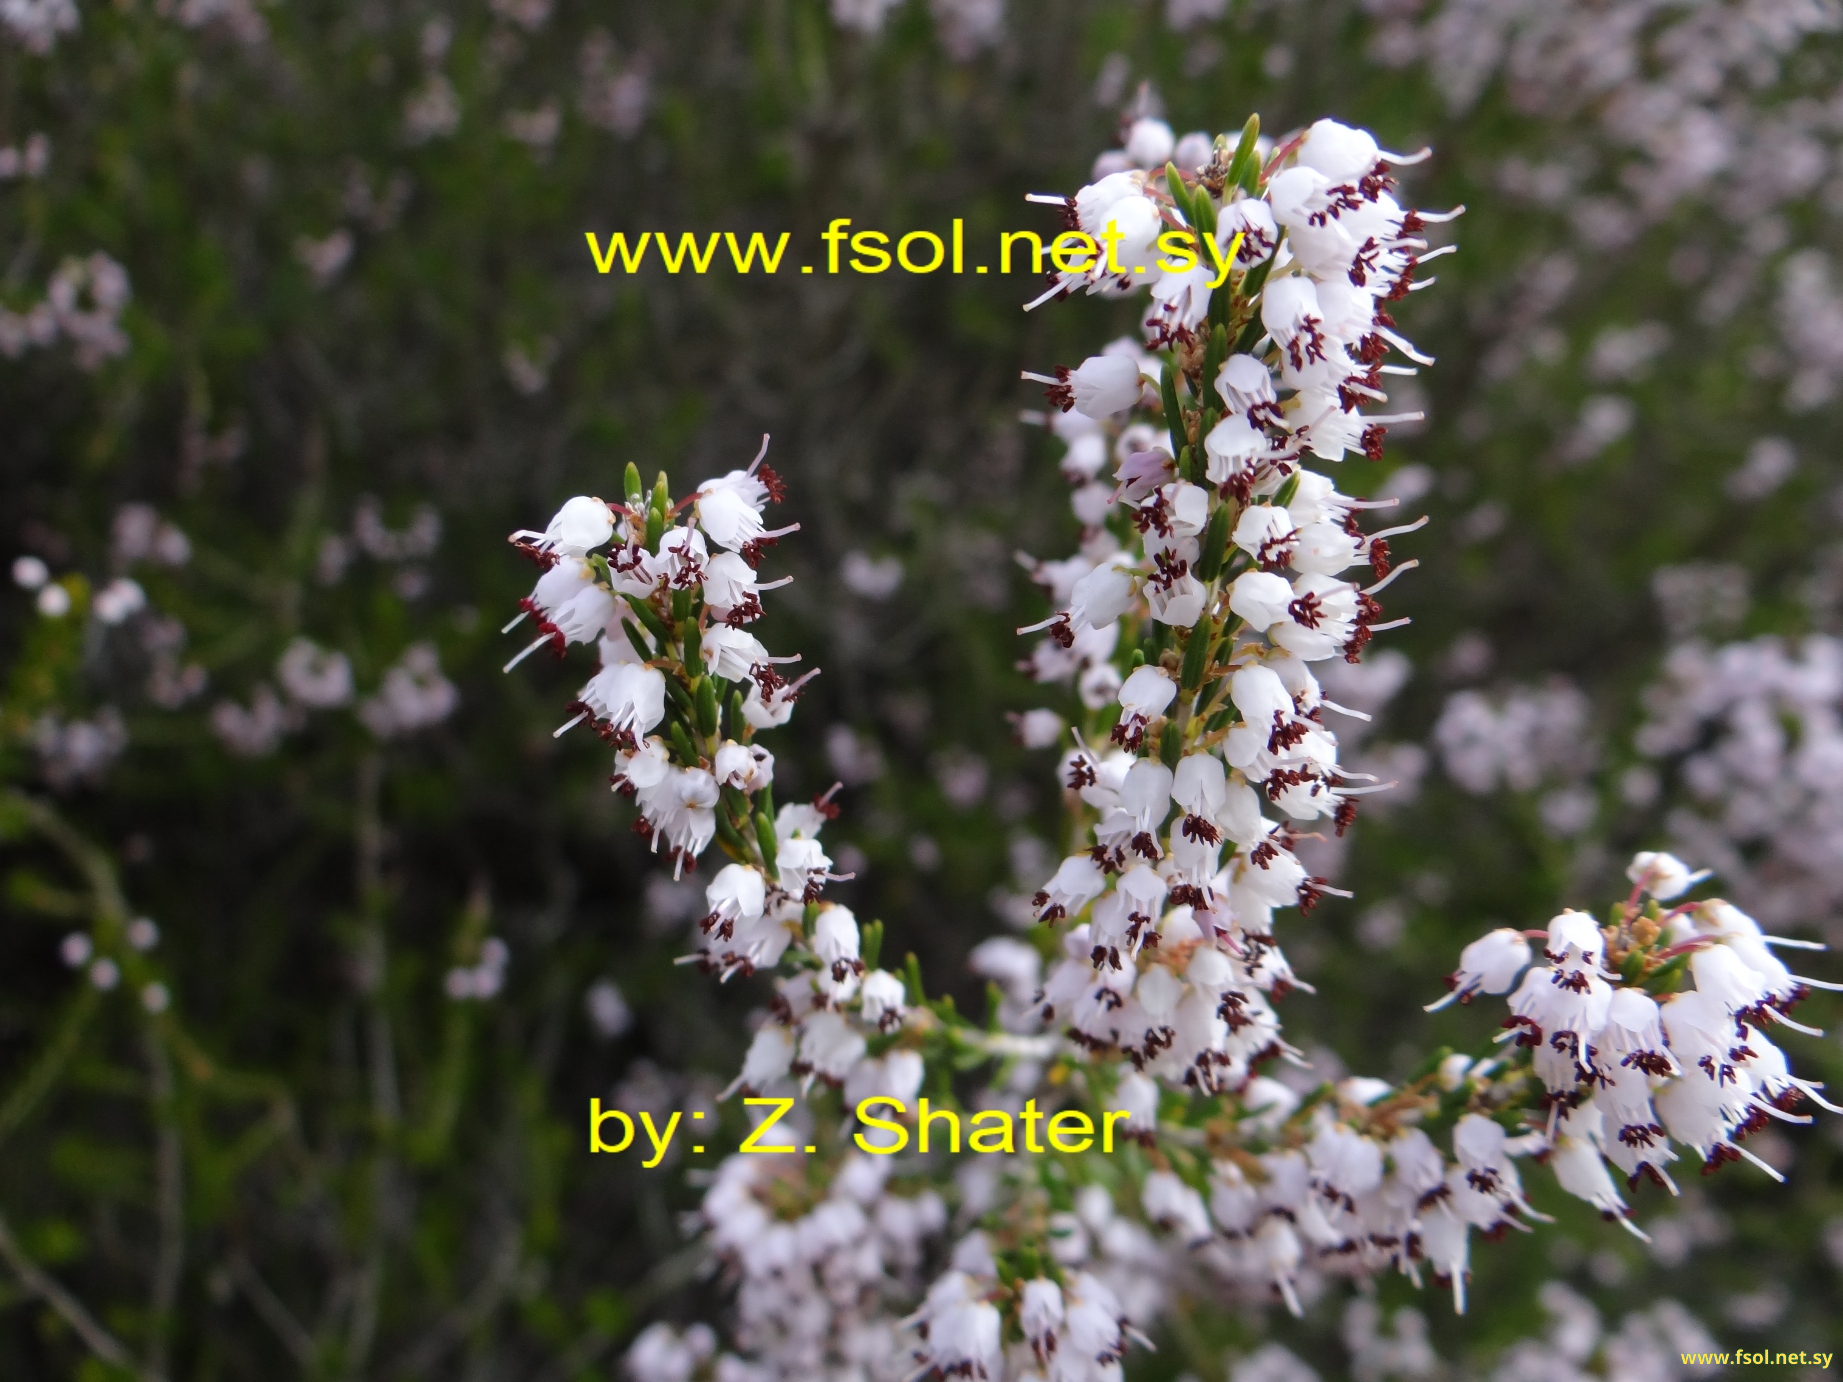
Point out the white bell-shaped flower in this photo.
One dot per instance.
(1265, 532)
(1260, 598)
(579, 527)
(1664, 876)
(1101, 596)
(1103, 385)
(1489, 964)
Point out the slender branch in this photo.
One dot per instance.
(293, 1335)
(107, 907)
(675, 1272)
(93, 863)
(51, 1062)
(39, 1283)
(169, 1197)
(386, 1109)
(456, 1324)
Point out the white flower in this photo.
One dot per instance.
(1101, 596)
(770, 1056)
(798, 820)
(1484, 1187)
(679, 562)
(1234, 446)
(558, 586)
(730, 585)
(1137, 1096)
(1344, 1162)
(897, 1075)
(1092, 1328)
(1489, 964)
(1187, 508)
(1147, 692)
(1341, 153)
(1561, 1009)
(1145, 793)
(1579, 1168)
(1246, 385)
(678, 808)
(883, 999)
(661, 1354)
(317, 677)
(802, 864)
(1200, 786)
(1260, 598)
(1094, 201)
(1443, 1239)
(1575, 936)
(1135, 223)
(1150, 143)
(1103, 385)
(642, 768)
(774, 709)
(1664, 876)
(1077, 883)
(586, 617)
(1253, 219)
(746, 767)
(118, 601)
(963, 1341)
(1182, 298)
(1173, 1205)
(30, 573)
(730, 508)
(608, 1011)
(1321, 620)
(1040, 1315)
(1262, 698)
(737, 893)
(732, 654)
(835, 940)
(829, 1047)
(1290, 311)
(1727, 979)
(1326, 548)
(1177, 602)
(579, 527)
(414, 695)
(629, 697)
(1265, 532)
(1039, 729)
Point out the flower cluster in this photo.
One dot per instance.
(413, 695)
(1628, 1059)
(83, 305)
(822, 1269)
(1751, 730)
(684, 686)
(1649, 111)
(1210, 579)
(1524, 739)
(37, 23)
(117, 620)
(1228, 560)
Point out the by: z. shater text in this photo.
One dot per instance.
(991, 1131)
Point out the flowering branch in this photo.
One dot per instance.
(1212, 574)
